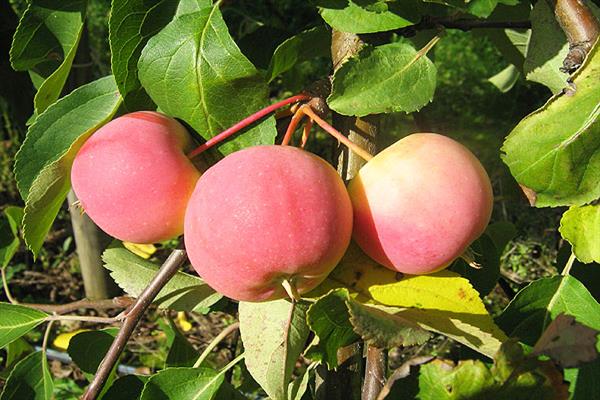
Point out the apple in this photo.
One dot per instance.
(133, 179)
(419, 203)
(267, 217)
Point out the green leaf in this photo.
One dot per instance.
(533, 308)
(357, 16)
(442, 302)
(183, 384)
(388, 78)
(479, 8)
(131, 24)
(441, 378)
(553, 152)
(15, 352)
(184, 292)
(384, 330)
(87, 349)
(46, 42)
(29, 380)
(181, 352)
(547, 49)
(312, 43)
(513, 376)
(127, 387)
(43, 164)
(9, 233)
(298, 386)
(16, 321)
(274, 334)
(506, 79)
(580, 226)
(191, 6)
(328, 317)
(216, 85)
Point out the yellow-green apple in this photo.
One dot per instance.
(419, 203)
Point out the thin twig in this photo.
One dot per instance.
(47, 336)
(9, 296)
(86, 318)
(298, 115)
(245, 123)
(132, 318)
(231, 328)
(461, 24)
(569, 264)
(365, 155)
(105, 304)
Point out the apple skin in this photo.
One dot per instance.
(420, 203)
(266, 214)
(133, 179)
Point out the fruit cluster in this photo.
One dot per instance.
(268, 220)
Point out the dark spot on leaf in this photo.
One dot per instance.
(449, 388)
(357, 275)
(461, 293)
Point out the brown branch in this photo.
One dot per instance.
(461, 24)
(581, 28)
(106, 304)
(132, 318)
(375, 373)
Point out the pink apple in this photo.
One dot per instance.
(133, 178)
(420, 203)
(264, 215)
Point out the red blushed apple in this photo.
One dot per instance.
(420, 203)
(133, 178)
(266, 215)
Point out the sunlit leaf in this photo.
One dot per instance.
(15, 321)
(553, 152)
(580, 226)
(183, 292)
(443, 302)
(43, 163)
(274, 334)
(216, 84)
(387, 78)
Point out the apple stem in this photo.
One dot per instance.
(306, 132)
(291, 290)
(298, 115)
(305, 109)
(469, 257)
(244, 123)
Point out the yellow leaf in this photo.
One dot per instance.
(62, 341)
(443, 302)
(182, 321)
(142, 250)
